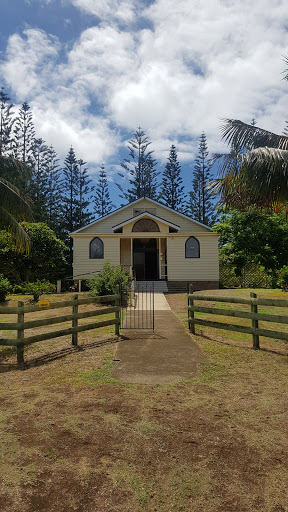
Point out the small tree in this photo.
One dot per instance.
(172, 194)
(102, 204)
(46, 259)
(253, 237)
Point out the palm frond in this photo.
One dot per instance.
(246, 136)
(12, 198)
(266, 172)
(261, 180)
(8, 222)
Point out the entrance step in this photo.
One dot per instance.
(159, 286)
(178, 286)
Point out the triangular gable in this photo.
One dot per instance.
(145, 214)
(115, 212)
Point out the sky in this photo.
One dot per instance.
(94, 70)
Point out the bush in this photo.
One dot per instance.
(5, 288)
(282, 281)
(108, 278)
(38, 288)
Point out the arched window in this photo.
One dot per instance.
(192, 248)
(147, 225)
(96, 248)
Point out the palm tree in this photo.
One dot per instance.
(13, 206)
(261, 179)
(261, 176)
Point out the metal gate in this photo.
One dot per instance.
(137, 311)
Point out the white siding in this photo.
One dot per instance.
(126, 213)
(82, 264)
(125, 251)
(205, 268)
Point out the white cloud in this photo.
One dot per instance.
(28, 63)
(123, 10)
(199, 62)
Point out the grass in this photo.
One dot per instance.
(72, 438)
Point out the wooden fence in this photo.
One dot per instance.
(254, 316)
(21, 325)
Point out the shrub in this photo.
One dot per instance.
(18, 289)
(38, 288)
(108, 278)
(282, 281)
(5, 288)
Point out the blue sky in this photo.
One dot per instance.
(94, 70)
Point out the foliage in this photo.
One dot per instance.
(38, 187)
(253, 237)
(262, 178)
(38, 288)
(6, 122)
(172, 185)
(75, 187)
(282, 281)
(53, 196)
(108, 278)
(102, 204)
(23, 135)
(252, 276)
(200, 205)
(13, 206)
(5, 288)
(46, 259)
(140, 168)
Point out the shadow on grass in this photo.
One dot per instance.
(233, 343)
(52, 356)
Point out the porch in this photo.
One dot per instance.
(147, 256)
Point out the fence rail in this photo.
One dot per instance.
(253, 315)
(21, 325)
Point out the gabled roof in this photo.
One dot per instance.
(145, 214)
(136, 202)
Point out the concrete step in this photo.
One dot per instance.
(159, 286)
(177, 287)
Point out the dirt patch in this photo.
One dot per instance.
(74, 439)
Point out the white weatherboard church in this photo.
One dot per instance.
(154, 241)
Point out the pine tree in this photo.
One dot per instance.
(172, 194)
(6, 123)
(85, 190)
(102, 204)
(140, 167)
(200, 204)
(23, 134)
(38, 189)
(75, 187)
(53, 199)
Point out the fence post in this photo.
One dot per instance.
(117, 313)
(58, 285)
(20, 334)
(191, 325)
(75, 320)
(254, 309)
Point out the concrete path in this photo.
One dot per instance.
(166, 355)
(143, 301)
